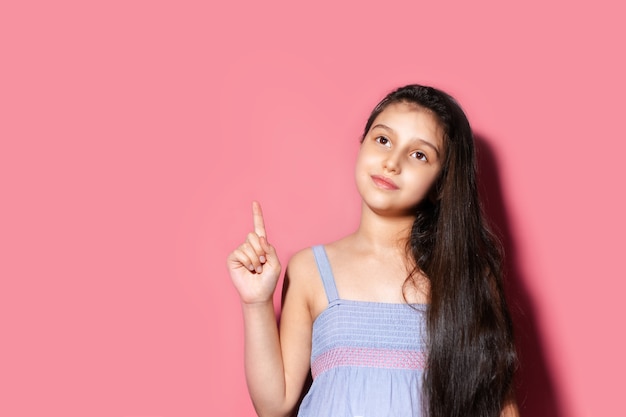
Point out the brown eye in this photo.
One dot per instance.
(383, 141)
(419, 155)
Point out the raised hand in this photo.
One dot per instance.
(254, 266)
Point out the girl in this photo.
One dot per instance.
(404, 317)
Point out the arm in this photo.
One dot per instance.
(276, 364)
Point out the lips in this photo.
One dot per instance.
(384, 182)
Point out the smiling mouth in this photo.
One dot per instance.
(384, 183)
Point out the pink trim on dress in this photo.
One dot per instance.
(369, 358)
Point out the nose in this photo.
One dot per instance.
(392, 163)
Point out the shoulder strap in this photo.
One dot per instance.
(326, 272)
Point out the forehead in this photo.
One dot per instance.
(412, 120)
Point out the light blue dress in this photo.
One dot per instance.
(367, 358)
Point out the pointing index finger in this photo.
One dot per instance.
(257, 215)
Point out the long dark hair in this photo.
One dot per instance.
(471, 353)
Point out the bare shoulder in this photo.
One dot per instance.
(302, 265)
(301, 276)
(302, 279)
(341, 251)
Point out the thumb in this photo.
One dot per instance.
(269, 249)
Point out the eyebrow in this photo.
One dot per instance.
(423, 141)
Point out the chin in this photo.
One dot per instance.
(390, 210)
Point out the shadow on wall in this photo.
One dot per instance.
(536, 393)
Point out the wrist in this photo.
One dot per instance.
(257, 305)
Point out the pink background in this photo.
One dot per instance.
(135, 134)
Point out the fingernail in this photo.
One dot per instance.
(259, 269)
(262, 259)
(251, 267)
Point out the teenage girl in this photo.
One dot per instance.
(404, 317)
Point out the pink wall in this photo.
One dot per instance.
(134, 136)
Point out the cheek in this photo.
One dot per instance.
(366, 158)
(432, 186)
(425, 181)
(360, 171)
(362, 163)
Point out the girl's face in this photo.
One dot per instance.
(400, 159)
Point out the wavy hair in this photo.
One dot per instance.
(471, 352)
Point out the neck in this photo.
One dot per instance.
(382, 232)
